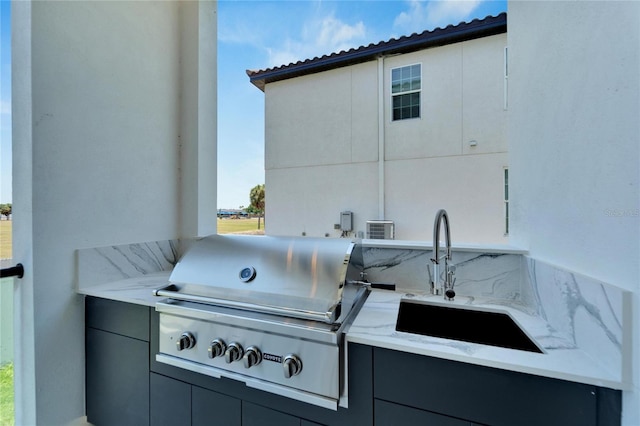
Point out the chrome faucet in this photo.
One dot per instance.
(449, 268)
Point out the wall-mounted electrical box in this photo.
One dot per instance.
(346, 221)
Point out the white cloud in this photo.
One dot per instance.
(319, 37)
(423, 15)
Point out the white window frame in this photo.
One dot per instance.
(408, 92)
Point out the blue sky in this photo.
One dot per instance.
(263, 34)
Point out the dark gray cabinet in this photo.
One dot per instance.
(389, 414)
(125, 385)
(256, 415)
(471, 393)
(170, 401)
(210, 408)
(117, 364)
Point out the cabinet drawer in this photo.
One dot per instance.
(117, 317)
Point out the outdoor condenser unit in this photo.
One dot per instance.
(380, 230)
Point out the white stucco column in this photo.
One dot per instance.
(198, 119)
(114, 142)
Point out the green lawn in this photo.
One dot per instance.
(6, 395)
(5, 239)
(6, 371)
(244, 226)
(225, 226)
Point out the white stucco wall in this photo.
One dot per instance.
(315, 196)
(464, 184)
(98, 116)
(574, 144)
(322, 119)
(327, 124)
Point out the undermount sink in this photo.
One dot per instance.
(468, 325)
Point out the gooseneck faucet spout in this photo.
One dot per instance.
(449, 268)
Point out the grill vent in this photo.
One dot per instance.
(380, 229)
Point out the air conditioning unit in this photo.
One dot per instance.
(380, 230)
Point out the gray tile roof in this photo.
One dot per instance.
(491, 25)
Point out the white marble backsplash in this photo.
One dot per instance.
(586, 313)
(488, 275)
(101, 265)
(577, 312)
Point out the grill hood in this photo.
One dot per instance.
(307, 278)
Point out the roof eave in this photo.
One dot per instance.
(438, 37)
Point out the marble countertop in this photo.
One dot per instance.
(375, 326)
(581, 324)
(137, 290)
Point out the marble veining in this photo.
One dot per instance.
(586, 312)
(102, 265)
(477, 274)
(576, 320)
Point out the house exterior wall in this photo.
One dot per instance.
(574, 104)
(322, 147)
(98, 147)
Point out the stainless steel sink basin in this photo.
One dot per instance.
(468, 325)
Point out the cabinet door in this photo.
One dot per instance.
(256, 415)
(389, 414)
(309, 423)
(210, 408)
(170, 401)
(481, 394)
(117, 379)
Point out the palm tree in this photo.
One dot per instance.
(256, 197)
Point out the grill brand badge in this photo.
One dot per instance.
(273, 358)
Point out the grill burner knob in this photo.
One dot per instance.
(252, 356)
(186, 341)
(292, 366)
(217, 348)
(233, 353)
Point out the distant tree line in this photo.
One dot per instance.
(5, 210)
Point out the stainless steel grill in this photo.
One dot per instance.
(268, 311)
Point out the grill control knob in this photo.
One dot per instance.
(217, 348)
(292, 366)
(186, 341)
(233, 353)
(252, 356)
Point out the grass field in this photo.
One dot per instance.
(225, 226)
(5, 239)
(244, 226)
(6, 395)
(6, 371)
